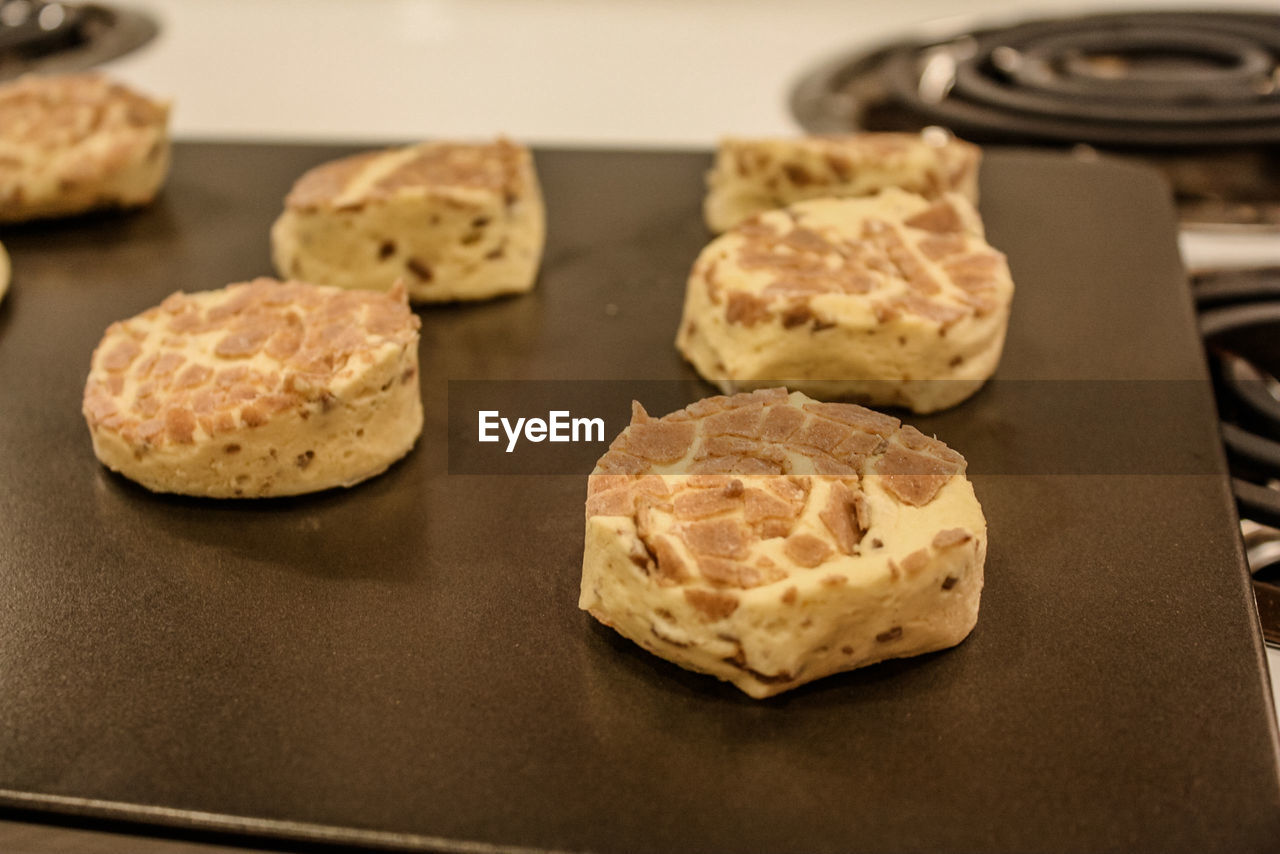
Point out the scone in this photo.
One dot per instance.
(751, 176)
(259, 389)
(770, 540)
(77, 142)
(891, 300)
(455, 221)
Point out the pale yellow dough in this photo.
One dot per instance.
(78, 142)
(890, 300)
(769, 562)
(454, 221)
(259, 389)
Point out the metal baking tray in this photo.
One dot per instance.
(403, 664)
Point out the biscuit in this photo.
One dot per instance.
(751, 176)
(77, 142)
(890, 300)
(455, 221)
(770, 540)
(5, 271)
(259, 389)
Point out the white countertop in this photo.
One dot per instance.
(614, 73)
(598, 72)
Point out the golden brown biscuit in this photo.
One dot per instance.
(769, 540)
(455, 221)
(77, 142)
(891, 300)
(259, 389)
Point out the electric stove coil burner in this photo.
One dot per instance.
(1194, 94)
(1158, 79)
(1240, 322)
(47, 36)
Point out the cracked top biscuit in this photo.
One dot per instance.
(378, 176)
(73, 142)
(896, 252)
(204, 364)
(769, 539)
(725, 523)
(455, 220)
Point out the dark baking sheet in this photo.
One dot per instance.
(404, 664)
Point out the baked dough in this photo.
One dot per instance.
(77, 142)
(455, 221)
(770, 540)
(259, 389)
(891, 300)
(751, 176)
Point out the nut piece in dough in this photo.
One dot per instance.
(78, 142)
(259, 389)
(751, 176)
(769, 540)
(889, 300)
(455, 221)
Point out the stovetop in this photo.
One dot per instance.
(1240, 322)
(728, 79)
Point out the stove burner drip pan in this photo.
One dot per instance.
(1198, 94)
(1239, 319)
(51, 37)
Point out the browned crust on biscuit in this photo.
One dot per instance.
(67, 109)
(179, 390)
(72, 132)
(936, 165)
(929, 265)
(720, 512)
(501, 166)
